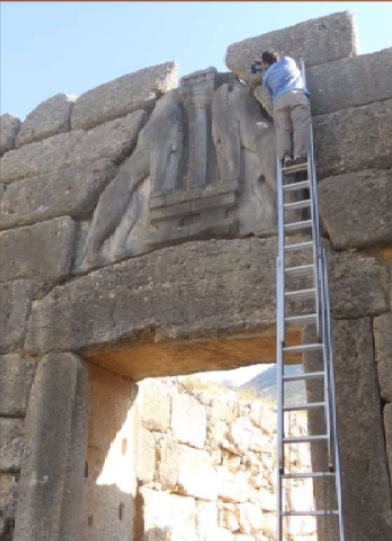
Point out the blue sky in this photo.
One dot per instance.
(51, 47)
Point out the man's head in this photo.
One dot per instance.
(268, 58)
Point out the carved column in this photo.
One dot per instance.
(201, 138)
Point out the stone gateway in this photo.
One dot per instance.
(138, 246)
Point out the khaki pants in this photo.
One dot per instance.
(292, 118)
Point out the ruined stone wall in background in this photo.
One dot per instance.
(206, 465)
(181, 176)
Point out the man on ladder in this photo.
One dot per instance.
(291, 99)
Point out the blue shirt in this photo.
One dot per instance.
(283, 76)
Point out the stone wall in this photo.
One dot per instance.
(137, 233)
(206, 465)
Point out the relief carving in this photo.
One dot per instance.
(203, 167)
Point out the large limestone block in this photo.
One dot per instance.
(168, 463)
(177, 295)
(196, 475)
(251, 518)
(232, 487)
(196, 289)
(206, 520)
(72, 191)
(359, 285)
(154, 402)
(388, 435)
(168, 516)
(356, 208)
(16, 377)
(52, 475)
(8, 486)
(146, 456)
(350, 82)
(383, 345)
(113, 140)
(365, 480)
(12, 439)
(15, 307)
(133, 91)
(41, 253)
(50, 118)
(354, 139)
(189, 420)
(9, 127)
(316, 41)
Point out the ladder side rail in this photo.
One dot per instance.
(280, 338)
(326, 365)
(315, 218)
(333, 402)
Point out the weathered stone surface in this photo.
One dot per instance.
(41, 253)
(15, 307)
(388, 435)
(179, 294)
(316, 41)
(206, 520)
(146, 457)
(168, 516)
(72, 191)
(16, 377)
(232, 487)
(133, 91)
(383, 345)
(9, 127)
(12, 439)
(8, 487)
(167, 465)
(350, 82)
(359, 285)
(155, 405)
(356, 208)
(189, 420)
(354, 139)
(50, 490)
(225, 408)
(366, 490)
(251, 517)
(50, 118)
(213, 278)
(196, 475)
(113, 140)
(111, 458)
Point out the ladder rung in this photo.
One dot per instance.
(298, 246)
(317, 513)
(297, 226)
(307, 475)
(301, 294)
(301, 407)
(298, 205)
(301, 320)
(302, 269)
(304, 375)
(303, 348)
(306, 439)
(295, 168)
(293, 186)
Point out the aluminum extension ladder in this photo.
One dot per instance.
(317, 272)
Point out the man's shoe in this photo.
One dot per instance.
(298, 160)
(287, 162)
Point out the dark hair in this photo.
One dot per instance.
(269, 57)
